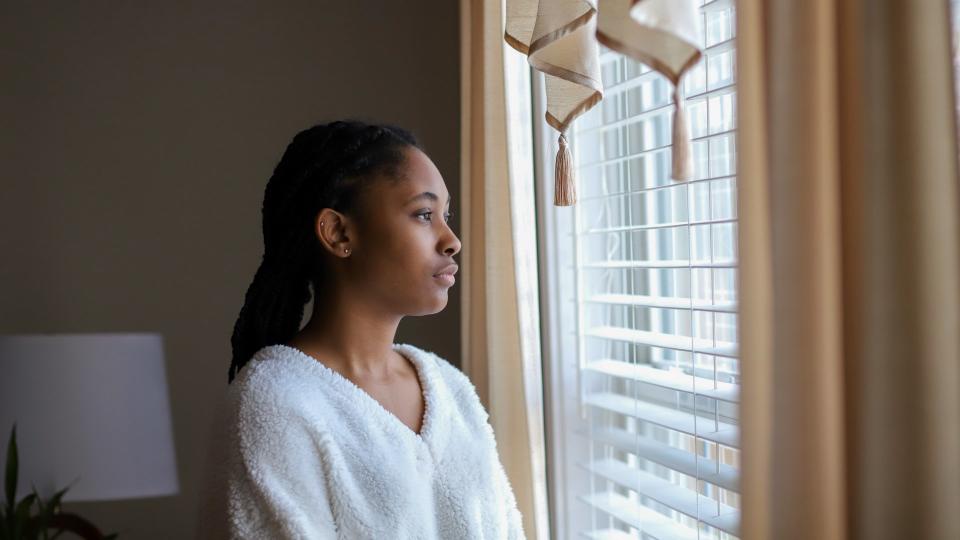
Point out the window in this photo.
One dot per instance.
(640, 307)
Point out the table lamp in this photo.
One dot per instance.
(91, 412)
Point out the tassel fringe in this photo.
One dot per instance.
(564, 193)
(682, 154)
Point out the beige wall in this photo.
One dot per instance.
(135, 143)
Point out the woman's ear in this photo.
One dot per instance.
(331, 229)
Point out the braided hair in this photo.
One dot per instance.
(325, 166)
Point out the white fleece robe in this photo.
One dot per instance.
(303, 452)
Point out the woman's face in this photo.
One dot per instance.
(403, 241)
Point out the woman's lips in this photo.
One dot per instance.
(446, 274)
(445, 278)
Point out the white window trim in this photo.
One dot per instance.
(559, 384)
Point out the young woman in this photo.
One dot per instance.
(334, 430)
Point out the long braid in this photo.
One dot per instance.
(325, 166)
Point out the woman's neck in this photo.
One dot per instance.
(350, 338)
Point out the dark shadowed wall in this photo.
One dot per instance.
(136, 142)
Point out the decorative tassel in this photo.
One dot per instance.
(682, 154)
(564, 193)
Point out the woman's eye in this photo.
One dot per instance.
(446, 216)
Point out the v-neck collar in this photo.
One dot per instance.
(349, 388)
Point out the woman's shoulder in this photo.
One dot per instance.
(268, 368)
(275, 380)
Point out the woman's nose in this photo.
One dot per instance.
(451, 245)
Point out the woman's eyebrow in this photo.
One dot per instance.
(427, 195)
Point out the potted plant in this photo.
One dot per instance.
(18, 520)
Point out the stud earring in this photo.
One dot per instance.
(346, 250)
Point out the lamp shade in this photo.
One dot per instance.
(91, 410)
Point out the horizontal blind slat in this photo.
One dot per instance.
(670, 185)
(678, 381)
(640, 517)
(673, 263)
(663, 302)
(655, 226)
(665, 341)
(654, 111)
(700, 426)
(608, 534)
(661, 148)
(667, 456)
(682, 500)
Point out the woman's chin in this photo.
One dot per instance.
(440, 301)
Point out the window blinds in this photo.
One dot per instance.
(654, 291)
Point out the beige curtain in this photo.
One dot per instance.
(501, 349)
(850, 270)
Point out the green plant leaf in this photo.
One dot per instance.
(23, 508)
(76, 524)
(10, 476)
(39, 499)
(54, 502)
